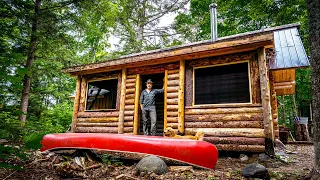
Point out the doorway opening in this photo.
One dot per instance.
(157, 84)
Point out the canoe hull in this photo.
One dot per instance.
(198, 153)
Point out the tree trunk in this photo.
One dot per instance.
(313, 7)
(30, 60)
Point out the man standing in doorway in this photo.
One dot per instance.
(148, 107)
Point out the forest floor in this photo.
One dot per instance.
(229, 166)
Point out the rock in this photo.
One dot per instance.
(263, 157)
(243, 157)
(152, 164)
(282, 156)
(255, 171)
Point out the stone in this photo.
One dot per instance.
(263, 157)
(244, 157)
(152, 164)
(255, 171)
(282, 156)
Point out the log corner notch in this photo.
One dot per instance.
(181, 97)
(266, 106)
(76, 105)
(122, 101)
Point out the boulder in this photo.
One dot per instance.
(255, 171)
(152, 164)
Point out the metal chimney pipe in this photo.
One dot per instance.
(213, 19)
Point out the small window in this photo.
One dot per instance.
(222, 84)
(102, 94)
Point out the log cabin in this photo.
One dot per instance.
(225, 87)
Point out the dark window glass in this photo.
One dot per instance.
(102, 94)
(222, 84)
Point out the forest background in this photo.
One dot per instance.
(38, 38)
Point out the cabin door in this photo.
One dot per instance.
(157, 84)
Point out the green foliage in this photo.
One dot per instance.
(108, 159)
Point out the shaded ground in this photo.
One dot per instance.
(228, 167)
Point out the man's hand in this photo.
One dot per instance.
(141, 106)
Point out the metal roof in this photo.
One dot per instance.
(289, 49)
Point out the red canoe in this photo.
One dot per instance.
(198, 153)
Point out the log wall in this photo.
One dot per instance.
(172, 98)
(229, 128)
(130, 95)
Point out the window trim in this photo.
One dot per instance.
(93, 80)
(223, 64)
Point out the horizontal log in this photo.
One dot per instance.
(129, 107)
(172, 89)
(173, 71)
(130, 91)
(173, 76)
(172, 95)
(225, 124)
(113, 124)
(172, 119)
(129, 101)
(130, 85)
(275, 122)
(283, 87)
(228, 132)
(223, 111)
(102, 129)
(225, 117)
(172, 107)
(128, 118)
(131, 76)
(213, 106)
(131, 80)
(284, 83)
(173, 83)
(98, 114)
(235, 147)
(130, 96)
(128, 113)
(172, 101)
(172, 113)
(235, 140)
(173, 125)
(98, 120)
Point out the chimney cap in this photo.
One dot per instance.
(213, 5)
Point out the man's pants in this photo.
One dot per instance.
(149, 112)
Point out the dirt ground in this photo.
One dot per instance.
(229, 166)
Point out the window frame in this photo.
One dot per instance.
(223, 64)
(99, 79)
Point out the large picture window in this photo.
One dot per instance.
(222, 84)
(102, 94)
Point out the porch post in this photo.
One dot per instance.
(76, 105)
(122, 101)
(265, 96)
(181, 97)
(136, 105)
